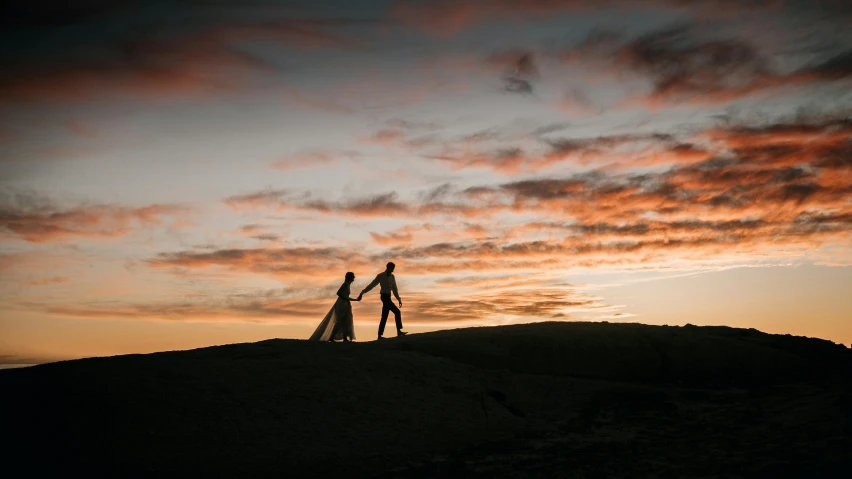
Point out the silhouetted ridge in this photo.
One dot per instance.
(541, 400)
(638, 352)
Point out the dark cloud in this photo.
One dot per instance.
(393, 238)
(267, 237)
(680, 64)
(150, 49)
(386, 204)
(56, 13)
(438, 193)
(496, 148)
(685, 64)
(818, 142)
(261, 198)
(834, 68)
(446, 17)
(519, 69)
(383, 204)
(550, 128)
(549, 188)
(626, 150)
(398, 123)
(607, 142)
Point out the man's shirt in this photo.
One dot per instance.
(387, 282)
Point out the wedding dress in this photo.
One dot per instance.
(339, 317)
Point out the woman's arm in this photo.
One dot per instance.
(343, 292)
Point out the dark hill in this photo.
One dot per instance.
(541, 400)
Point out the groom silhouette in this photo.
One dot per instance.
(388, 286)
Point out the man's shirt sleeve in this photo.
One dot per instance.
(371, 285)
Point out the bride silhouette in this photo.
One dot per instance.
(338, 323)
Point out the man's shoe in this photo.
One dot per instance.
(380, 337)
(401, 333)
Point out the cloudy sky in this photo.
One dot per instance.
(185, 173)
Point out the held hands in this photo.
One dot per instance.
(360, 296)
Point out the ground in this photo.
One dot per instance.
(538, 400)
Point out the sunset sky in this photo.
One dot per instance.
(187, 173)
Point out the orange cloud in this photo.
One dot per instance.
(740, 205)
(399, 237)
(818, 142)
(768, 191)
(397, 137)
(46, 281)
(40, 223)
(312, 159)
(265, 198)
(318, 262)
(520, 304)
(266, 308)
(10, 261)
(307, 305)
(385, 137)
(428, 232)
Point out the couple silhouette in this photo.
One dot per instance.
(339, 324)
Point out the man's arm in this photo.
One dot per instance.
(393, 288)
(371, 285)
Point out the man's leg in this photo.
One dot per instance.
(385, 310)
(397, 314)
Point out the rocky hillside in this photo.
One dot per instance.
(538, 400)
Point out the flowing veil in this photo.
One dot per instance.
(339, 314)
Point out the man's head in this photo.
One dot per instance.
(350, 276)
(390, 267)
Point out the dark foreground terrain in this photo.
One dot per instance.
(543, 400)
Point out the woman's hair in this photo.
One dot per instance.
(350, 275)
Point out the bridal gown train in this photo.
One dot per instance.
(339, 314)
